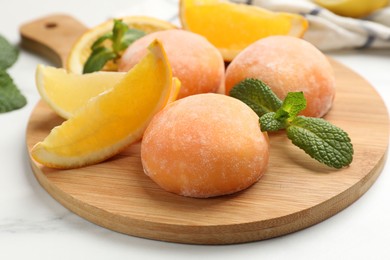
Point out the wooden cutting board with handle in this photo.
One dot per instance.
(52, 36)
(295, 192)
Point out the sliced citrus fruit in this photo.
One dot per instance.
(111, 121)
(82, 48)
(176, 85)
(352, 8)
(67, 92)
(232, 27)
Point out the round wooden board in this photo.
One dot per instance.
(295, 192)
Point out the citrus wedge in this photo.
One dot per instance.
(113, 120)
(67, 92)
(352, 8)
(232, 27)
(176, 85)
(82, 48)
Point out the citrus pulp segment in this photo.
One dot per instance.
(66, 92)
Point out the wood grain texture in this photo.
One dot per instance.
(295, 192)
(52, 36)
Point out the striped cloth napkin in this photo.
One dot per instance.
(328, 31)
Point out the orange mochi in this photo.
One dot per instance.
(205, 145)
(195, 61)
(287, 64)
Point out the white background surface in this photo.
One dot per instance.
(34, 226)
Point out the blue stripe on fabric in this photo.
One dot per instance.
(315, 11)
(368, 43)
(371, 36)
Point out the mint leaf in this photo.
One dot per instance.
(268, 122)
(118, 32)
(129, 37)
(294, 103)
(10, 96)
(257, 95)
(110, 46)
(98, 43)
(99, 57)
(8, 54)
(321, 140)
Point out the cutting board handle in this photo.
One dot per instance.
(52, 36)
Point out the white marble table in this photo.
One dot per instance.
(35, 226)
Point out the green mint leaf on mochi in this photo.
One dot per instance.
(8, 54)
(320, 139)
(110, 46)
(269, 123)
(10, 96)
(257, 95)
(294, 103)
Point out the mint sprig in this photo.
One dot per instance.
(294, 103)
(269, 123)
(8, 54)
(256, 95)
(10, 96)
(110, 46)
(320, 139)
(98, 59)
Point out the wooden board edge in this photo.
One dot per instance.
(213, 235)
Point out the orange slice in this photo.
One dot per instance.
(352, 8)
(82, 48)
(232, 27)
(113, 120)
(67, 92)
